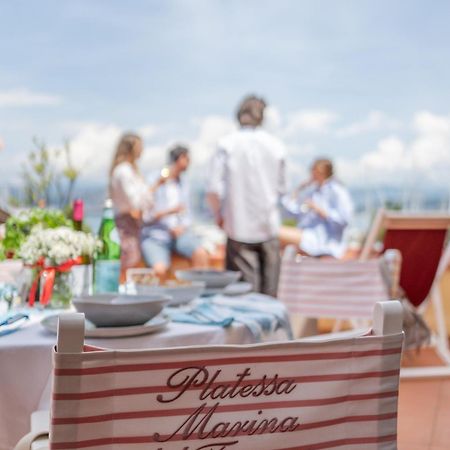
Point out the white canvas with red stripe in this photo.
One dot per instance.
(281, 396)
(331, 288)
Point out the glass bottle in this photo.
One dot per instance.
(78, 214)
(107, 261)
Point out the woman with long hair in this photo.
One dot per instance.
(323, 209)
(130, 195)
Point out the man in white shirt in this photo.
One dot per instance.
(247, 178)
(167, 223)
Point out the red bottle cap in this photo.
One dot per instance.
(78, 209)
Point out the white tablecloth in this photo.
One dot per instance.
(25, 364)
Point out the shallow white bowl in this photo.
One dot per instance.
(212, 278)
(179, 294)
(120, 310)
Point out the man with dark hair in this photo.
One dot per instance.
(251, 111)
(246, 181)
(167, 224)
(179, 153)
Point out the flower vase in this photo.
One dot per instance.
(61, 296)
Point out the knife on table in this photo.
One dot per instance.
(12, 319)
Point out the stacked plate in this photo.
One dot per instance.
(179, 293)
(216, 281)
(120, 310)
(116, 315)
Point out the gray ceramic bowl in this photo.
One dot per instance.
(179, 294)
(212, 278)
(120, 310)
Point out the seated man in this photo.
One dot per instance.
(323, 209)
(166, 225)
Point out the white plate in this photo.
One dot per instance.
(120, 310)
(91, 331)
(239, 288)
(180, 294)
(214, 279)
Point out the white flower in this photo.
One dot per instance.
(57, 245)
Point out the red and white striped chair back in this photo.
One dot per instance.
(331, 288)
(282, 396)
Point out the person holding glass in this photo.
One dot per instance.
(323, 209)
(130, 195)
(168, 224)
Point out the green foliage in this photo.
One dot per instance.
(290, 222)
(393, 205)
(43, 183)
(38, 175)
(19, 227)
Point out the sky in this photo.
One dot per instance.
(362, 82)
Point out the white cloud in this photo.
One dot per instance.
(272, 119)
(23, 97)
(210, 129)
(384, 164)
(305, 151)
(309, 121)
(207, 131)
(421, 162)
(421, 159)
(375, 121)
(2, 143)
(148, 131)
(92, 149)
(430, 151)
(93, 146)
(426, 122)
(153, 157)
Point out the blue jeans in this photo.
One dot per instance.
(159, 251)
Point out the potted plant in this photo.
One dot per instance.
(19, 226)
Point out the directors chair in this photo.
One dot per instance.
(292, 395)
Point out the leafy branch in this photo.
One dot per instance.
(43, 182)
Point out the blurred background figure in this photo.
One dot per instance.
(168, 222)
(130, 195)
(246, 180)
(323, 209)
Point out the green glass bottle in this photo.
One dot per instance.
(107, 261)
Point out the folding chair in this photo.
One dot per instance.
(290, 395)
(421, 240)
(314, 288)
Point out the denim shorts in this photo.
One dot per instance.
(159, 251)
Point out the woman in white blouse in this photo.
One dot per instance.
(130, 195)
(323, 209)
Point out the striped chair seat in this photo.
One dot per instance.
(282, 396)
(332, 288)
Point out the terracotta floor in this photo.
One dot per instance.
(424, 415)
(424, 405)
(424, 408)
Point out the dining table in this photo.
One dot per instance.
(26, 361)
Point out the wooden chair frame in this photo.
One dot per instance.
(395, 220)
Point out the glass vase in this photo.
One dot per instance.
(61, 297)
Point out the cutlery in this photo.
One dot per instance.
(12, 319)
